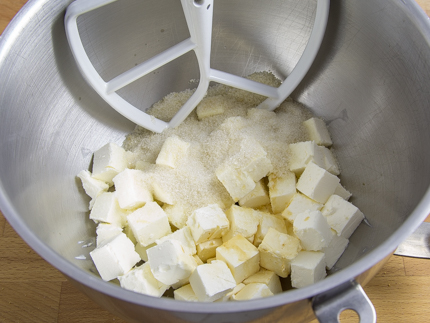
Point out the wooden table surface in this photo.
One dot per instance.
(31, 290)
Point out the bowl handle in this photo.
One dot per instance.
(350, 295)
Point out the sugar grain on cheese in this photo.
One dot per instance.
(223, 207)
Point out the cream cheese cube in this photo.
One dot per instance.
(131, 189)
(185, 239)
(106, 231)
(207, 249)
(141, 280)
(169, 262)
(106, 209)
(149, 223)
(211, 106)
(277, 250)
(92, 187)
(307, 268)
(259, 196)
(302, 153)
(253, 159)
(108, 162)
(161, 191)
(172, 152)
(176, 214)
(330, 162)
(185, 293)
(313, 230)
(237, 183)
(241, 257)
(268, 221)
(281, 190)
(343, 216)
(318, 131)
(142, 250)
(334, 250)
(114, 257)
(298, 204)
(317, 183)
(230, 296)
(342, 192)
(243, 221)
(253, 291)
(207, 223)
(212, 281)
(268, 278)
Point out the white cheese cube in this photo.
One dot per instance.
(307, 268)
(342, 192)
(330, 162)
(298, 204)
(317, 183)
(142, 250)
(172, 152)
(253, 291)
(185, 239)
(185, 293)
(106, 209)
(207, 223)
(106, 231)
(109, 161)
(131, 189)
(211, 106)
(161, 191)
(268, 278)
(318, 131)
(277, 250)
(149, 223)
(207, 249)
(230, 296)
(313, 230)
(241, 256)
(281, 190)
(343, 216)
(334, 250)
(243, 221)
(212, 281)
(169, 262)
(268, 221)
(115, 257)
(302, 153)
(92, 187)
(259, 196)
(198, 260)
(253, 159)
(176, 214)
(237, 183)
(141, 280)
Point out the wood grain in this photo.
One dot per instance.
(31, 290)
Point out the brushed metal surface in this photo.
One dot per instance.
(370, 81)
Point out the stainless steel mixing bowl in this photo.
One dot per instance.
(370, 81)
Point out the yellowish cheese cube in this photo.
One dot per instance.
(277, 250)
(108, 162)
(185, 239)
(318, 131)
(298, 204)
(267, 277)
(243, 221)
(237, 183)
(253, 291)
(281, 190)
(176, 214)
(212, 281)
(172, 152)
(317, 183)
(307, 268)
(211, 106)
(253, 159)
(207, 249)
(302, 153)
(131, 189)
(241, 257)
(185, 293)
(161, 191)
(208, 223)
(268, 221)
(258, 197)
(149, 223)
(230, 296)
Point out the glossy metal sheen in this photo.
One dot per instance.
(417, 244)
(370, 81)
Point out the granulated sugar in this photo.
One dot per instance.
(213, 139)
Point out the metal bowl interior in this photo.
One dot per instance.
(370, 82)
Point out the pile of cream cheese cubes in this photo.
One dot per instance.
(238, 253)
